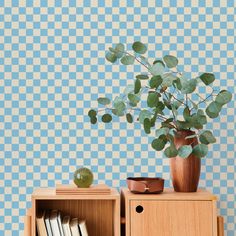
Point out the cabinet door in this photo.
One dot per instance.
(171, 218)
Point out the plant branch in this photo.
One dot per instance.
(186, 96)
(204, 99)
(135, 59)
(104, 109)
(178, 100)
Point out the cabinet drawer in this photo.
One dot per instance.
(171, 218)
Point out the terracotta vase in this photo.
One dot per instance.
(185, 172)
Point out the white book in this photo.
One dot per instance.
(83, 228)
(41, 227)
(59, 223)
(47, 223)
(66, 226)
(54, 223)
(74, 227)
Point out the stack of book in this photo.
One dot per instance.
(50, 223)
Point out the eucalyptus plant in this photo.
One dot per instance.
(170, 101)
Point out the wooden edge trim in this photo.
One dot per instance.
(27, 222)
(220, 225)
(29, 212)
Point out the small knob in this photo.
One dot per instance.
(139, 209)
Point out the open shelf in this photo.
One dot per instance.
(101, 212)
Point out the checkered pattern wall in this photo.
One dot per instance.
(52, 69)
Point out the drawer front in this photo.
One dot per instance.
(171, 218)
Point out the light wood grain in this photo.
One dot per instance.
(101, 212)
(171, 218)
(185, 172)
(214, 217)
(27, 222)
(50, 193)
(170, 213)
(220, 226)
(170, 194)
(72, 189)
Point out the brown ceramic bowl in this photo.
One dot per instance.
(145, 184)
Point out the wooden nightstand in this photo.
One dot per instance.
(169, 213)
(101, 212)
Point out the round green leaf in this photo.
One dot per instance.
(144, 114)
(137, 86)
(184, 151)
(117, 112)
(111, 57)
(147, 126)
(168, 79)
(201, 116)
(177, 104)
(112, 50)
(155, 81)
(177, 84)
(92, 113)
(103, 101)
(167, 123)
(162, 131)
(159, 143)
(171, 61)
(157, 69)
(160, 107)
(207, 78)
(194, 121)
(223, 97)
(129, 118)
(120, 106)
(127, 60)
(171, 151)
(93, 120)
(188, 86)
(142, 77)
(152, 99)
(106, 118)
(183, 124)
(129, 89)
(186, 113)
(139, 47)
(200, 150)
(207, 137)
(120, 48)
(134, 99)
(213, 109)
(159, 61)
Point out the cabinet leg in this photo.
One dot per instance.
(220, 226)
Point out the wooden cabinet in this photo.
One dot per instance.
(170, 214)
(101, 212)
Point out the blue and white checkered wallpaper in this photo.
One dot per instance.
(52, 69)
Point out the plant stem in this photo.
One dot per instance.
(204, 99)
(186, 95)
(135, 59)
(178, 100)
(104, 109)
